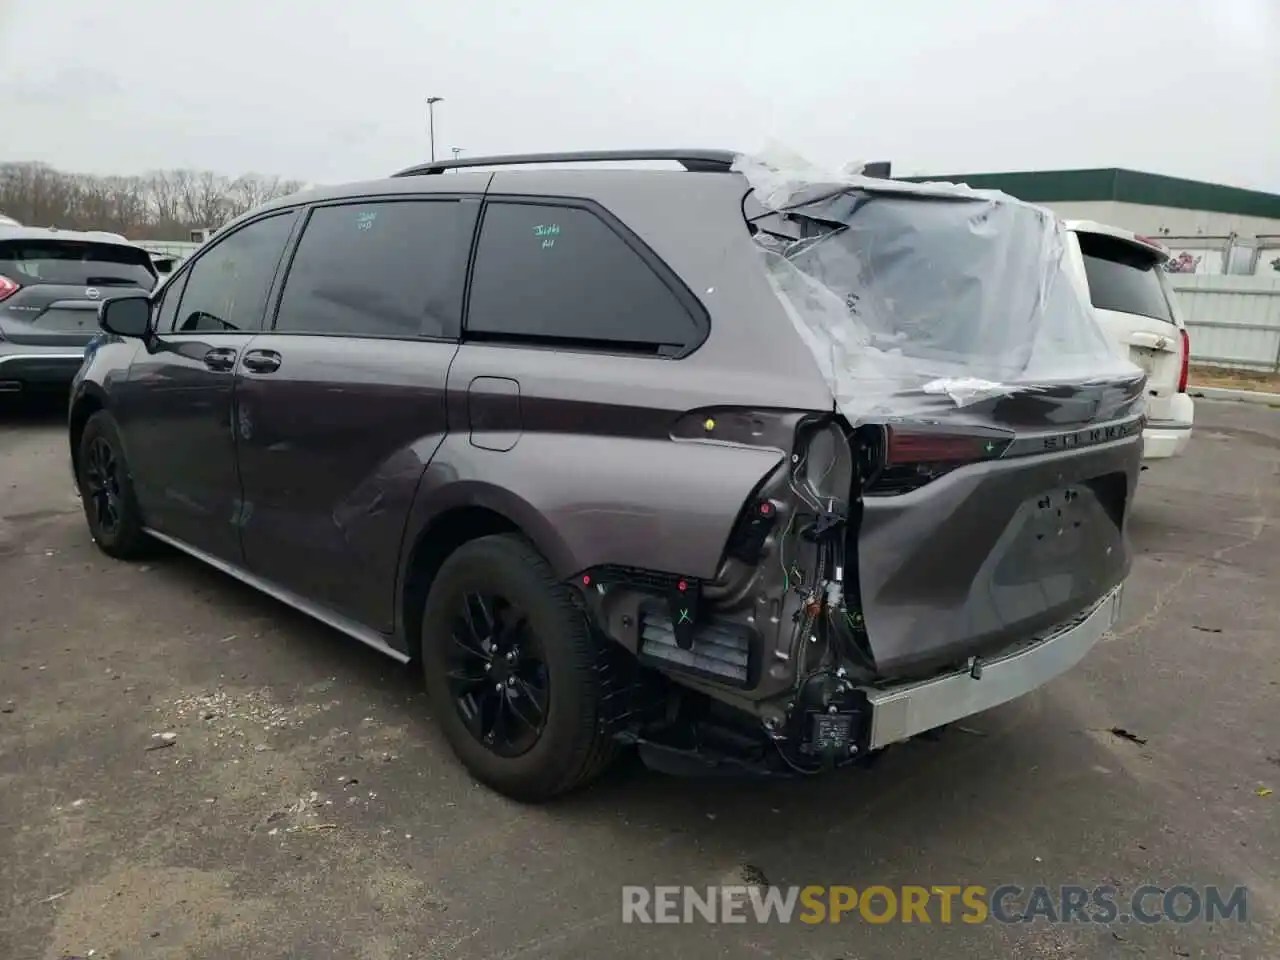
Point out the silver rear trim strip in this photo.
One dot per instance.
(899, 713)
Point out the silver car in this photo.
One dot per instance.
(51, 285)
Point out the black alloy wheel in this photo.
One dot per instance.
(102, 486)
(514, 671)
(497, 674)
(106, 491)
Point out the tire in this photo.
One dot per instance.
(111, 495)
(571, 748)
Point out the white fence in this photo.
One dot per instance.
(1232, 321)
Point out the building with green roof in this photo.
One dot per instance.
(1210, 228)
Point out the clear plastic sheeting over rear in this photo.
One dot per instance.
(911, 294)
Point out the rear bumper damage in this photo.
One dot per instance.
(902, 712)
(835, 629)
(832, 722)
(945, 537)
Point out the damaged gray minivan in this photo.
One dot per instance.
(758, 468)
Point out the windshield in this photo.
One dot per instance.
(1124, 277)
(75, 263)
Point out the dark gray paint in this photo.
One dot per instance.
(334, 445)
(322, 479)
(177, 419)
(973, 562)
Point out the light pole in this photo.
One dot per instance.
(431, 123)
(456, 151)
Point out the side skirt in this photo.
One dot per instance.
(370, 638)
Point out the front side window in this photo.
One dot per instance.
(226, 288)
(391, 268)
(170, 296)
(561, 274)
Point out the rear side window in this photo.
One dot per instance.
(561, 274)
(1124, 277)
(383, 269)
(75, 263)
(226, 288)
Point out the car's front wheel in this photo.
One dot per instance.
(512, 670)
(106, 490)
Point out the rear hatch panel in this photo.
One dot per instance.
(948, 319)
(61, 283)
(971, 557)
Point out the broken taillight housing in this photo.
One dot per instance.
(754, 524)
(913, 456)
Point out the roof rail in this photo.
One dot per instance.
(698, 161)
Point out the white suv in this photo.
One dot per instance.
(1131, 296)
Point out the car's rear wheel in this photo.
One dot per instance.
(512, 669)
(106, 490)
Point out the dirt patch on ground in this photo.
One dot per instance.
(156, 912)
(1233, 379)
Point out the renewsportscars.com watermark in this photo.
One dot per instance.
(1148, 904)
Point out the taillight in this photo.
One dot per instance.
(914, 456)
(7, 288)
(910, 446)
(1186, 361)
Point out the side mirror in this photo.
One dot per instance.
(128, 316)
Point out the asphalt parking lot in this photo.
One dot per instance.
(190, 770)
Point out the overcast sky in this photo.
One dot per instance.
(324, 90)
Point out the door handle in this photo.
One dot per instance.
(261, 361)
(220, 358)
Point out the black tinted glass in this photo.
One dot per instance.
(384, 269)
(1123, 277)
(75, 263)
(227, 287)
(563, 273)
(170, 296)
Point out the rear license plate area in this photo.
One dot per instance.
(1144, 358)
(1057, 519)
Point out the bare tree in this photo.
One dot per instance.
(37, 193)
(252, 190)
(165, 194)
(162, 204)
(129, 206)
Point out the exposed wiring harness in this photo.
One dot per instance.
(827, 530)
(808, 772)
(824, 621)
